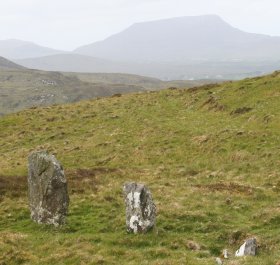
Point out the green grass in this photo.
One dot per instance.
(211, 164)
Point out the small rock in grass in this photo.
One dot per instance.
(225, 254)
(193, 245)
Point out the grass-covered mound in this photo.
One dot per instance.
(210, 156)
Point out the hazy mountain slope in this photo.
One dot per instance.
(198, 38)
(27, 88)
(165, 71)
(6, 64)
(210, 157)
(74, 63)
(17, 49)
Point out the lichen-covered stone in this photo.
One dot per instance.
(219, 261)
(249, 248)
(47, 189)
(140, 208)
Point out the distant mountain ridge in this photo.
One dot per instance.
(194, 38)
(73, 63)
(164, 71)
(18, 49)
(184, 48)
(6, 64)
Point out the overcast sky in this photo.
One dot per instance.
(67, 24)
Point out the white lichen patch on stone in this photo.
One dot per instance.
(134, 199)
(240, 252)
(134, 223)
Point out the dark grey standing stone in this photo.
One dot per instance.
(140, 208)
(249, 248)
(47, 189)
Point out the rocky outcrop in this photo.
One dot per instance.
(47, 189)
(140, 208)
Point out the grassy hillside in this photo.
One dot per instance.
(129, 79)
(210, 156)
(21, 89)
(118, 78)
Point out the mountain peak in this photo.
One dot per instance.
(170, 40)
(206, 17)
(185, 20)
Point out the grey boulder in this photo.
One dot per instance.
(140, 208)
(249, 248)
(47, 189)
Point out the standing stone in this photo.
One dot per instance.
(47, 189)
(140, 208)
(249, 248)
